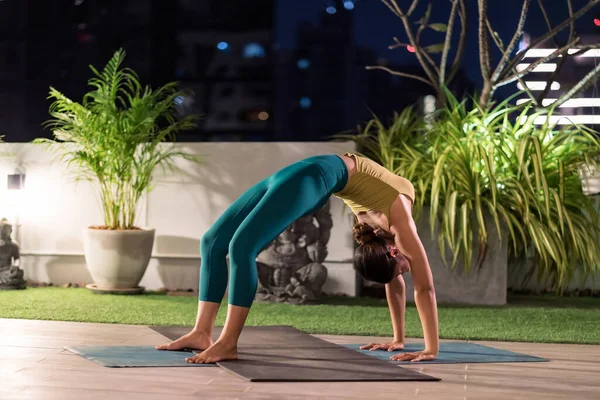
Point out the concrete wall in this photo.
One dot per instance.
(523, 277)
(50, 214)
(483, 285)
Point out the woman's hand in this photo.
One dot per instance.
(424, 355)
(391, 346)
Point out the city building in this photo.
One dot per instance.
(226, 59)
(219, 49)
(323, 87)
(13, 21)
(223, 52)
(45, 44)
(584, 107)
(322, 79)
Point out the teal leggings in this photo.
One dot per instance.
(256, 218)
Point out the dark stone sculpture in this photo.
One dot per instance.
(11, 276)
(290, 269)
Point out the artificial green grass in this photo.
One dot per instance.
(544, 319)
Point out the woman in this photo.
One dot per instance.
(385, 232)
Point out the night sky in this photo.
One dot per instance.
(376, 25)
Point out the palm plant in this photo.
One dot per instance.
(116, 137)
(476, 165)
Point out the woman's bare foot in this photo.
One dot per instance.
(220, 351)
(193, 340)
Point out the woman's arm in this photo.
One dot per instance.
(409, 243)
(396, 296)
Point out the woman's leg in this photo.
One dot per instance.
(213, 271)
(290, 196)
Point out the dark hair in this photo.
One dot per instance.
(372, 260)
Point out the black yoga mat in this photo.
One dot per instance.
(285, 354)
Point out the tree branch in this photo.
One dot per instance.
(411, 38)
(462, 13)
(499, 44)
(511, 45)
(447, 42)
(583, 49)
(562, 59)
(484, 48)
(393, 6)
(551, 56)
(412, 7)
(398, 44)
(501, 48)
(418, 42)
(529, 92)
(553, 32)
(547, 19)
(487, 91)
(583, 84)
(405, 75)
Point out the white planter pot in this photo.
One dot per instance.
(117, 259)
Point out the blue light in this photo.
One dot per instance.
(349, 5)
(303, 63)
(254, 50)
(331, 10)
(178, 100)
(305, 102)
(222, 46)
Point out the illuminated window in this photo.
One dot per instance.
(303, 63)
(254, 50)
(305, 102)
(254, 115)
(538, 85)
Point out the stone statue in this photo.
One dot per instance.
(290, 268)
(11, 276)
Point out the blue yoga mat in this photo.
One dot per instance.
(455, 353)
(134, 356)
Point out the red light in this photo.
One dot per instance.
(410, 48)
(596, 21)
(84, 37)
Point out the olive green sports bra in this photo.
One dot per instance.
(373, 187)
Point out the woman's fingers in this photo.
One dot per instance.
(391, 346)
(413, 357)
(424, 357)
(382, 346)
(401, 357)
(368, 346)
(396, 347)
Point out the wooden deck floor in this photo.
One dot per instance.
(33, 365)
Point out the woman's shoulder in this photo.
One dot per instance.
(401, 212)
